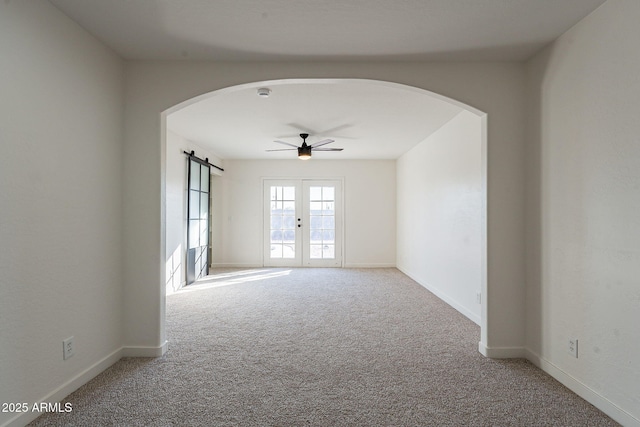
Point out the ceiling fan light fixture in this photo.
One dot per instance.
(304, 152)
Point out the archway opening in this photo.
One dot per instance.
(437, 231)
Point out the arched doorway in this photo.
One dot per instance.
(468, 299)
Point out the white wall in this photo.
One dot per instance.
(496, 89)
(440, 213)
(61, 127)
(369, 208)
(176, 206)
(64, 241)
(583, 205)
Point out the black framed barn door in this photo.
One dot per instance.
(197, 220)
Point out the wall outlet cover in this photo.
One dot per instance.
(68, 348)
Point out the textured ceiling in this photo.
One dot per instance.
(367, 120)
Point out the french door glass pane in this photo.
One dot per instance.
(288, 251)
(328, 193)
(276, 251)
(328, 208)
(315, 222)
(289, 236)
(315, 207)
(316, 236)
(321, 222)
(289, 222)
(276, 236)
(289, 207)
(289, 193)
(329, 236)
(283, 222)
(315, 193)
(276, 222)
(328, 251)
(315, 251)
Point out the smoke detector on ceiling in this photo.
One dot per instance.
(264, 92)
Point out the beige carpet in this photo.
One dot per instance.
(321, 347)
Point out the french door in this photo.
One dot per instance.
(303, 223)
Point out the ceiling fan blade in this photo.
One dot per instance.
(286, 143)
(321, 143)
(328, 149)
(283, 149)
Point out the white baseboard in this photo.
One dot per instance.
(446, 298)
(235, 265)
(605, 405)
(67, 388)
(502, 352)
(368, 265)
(346, 265)
(141, 351)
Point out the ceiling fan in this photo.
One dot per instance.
(304, 151)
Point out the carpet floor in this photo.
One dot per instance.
(320, 347)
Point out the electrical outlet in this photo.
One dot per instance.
(479, 297)
(68, 348)
(573, 347)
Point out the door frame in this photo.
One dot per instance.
(299, 260)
